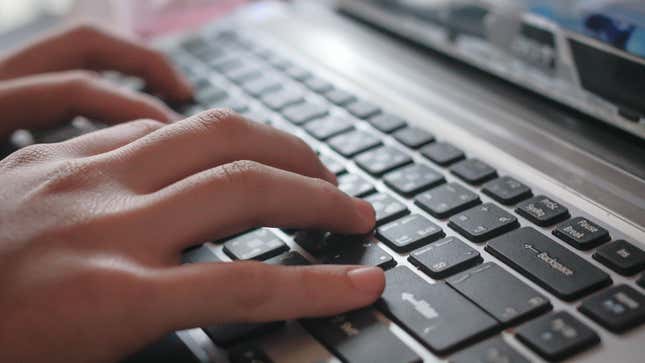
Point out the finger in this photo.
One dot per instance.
(49, 99)
(88, 47)
(214, 138)
(213, 293)
(235, 197)
(110, 138)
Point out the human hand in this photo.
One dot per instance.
(41, 85)
(92, 230)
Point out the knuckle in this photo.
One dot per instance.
(106, 286)
(29, 155)
(256, 284)
(79, 80)
(242, 172)
(147, 125)
(309, 281)
(221, 121)
(68, 174)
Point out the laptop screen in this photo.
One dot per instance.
(587, 54)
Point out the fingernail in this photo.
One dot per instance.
(370, 280)
(366, 211)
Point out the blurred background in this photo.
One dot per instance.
(22, 19)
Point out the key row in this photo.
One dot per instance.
(540, 210)
(492, 290)
(543, 211)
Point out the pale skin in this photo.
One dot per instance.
(92, 229)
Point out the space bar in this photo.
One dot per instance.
(359, 337)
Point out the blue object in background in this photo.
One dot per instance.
(608, 30)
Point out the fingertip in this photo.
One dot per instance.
(329, 176)
(366, 213)
(183, 88)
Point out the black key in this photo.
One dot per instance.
(169, 349)
(641, 281)
(264, 53)
(226, 64)
(446, 200)
(442, 153)
(363, 109)
(359, 337)
(409, 233)
(548, 264)
(255, 245)
(304, 112)
(237, 104)
(208, 96)
(444, 258)
(298, 73)
(494, 350)
(507, 190)
(283, 98)
(319, 243)
(483, 222)
(201, 83)
(387, 123)
(194, 44)
(352, 143)
(318, 85)
(542, 211)
(208, 54)
(291, 258)
(280, 63)
(226, 335)
(334, 165)
(359, 251)
(581, 233)
(413, 179)
(622, 257)
(386, 208)
(257, 116)
(557, 336)
(500, 294)
(243, 74)
(131, 83)
(618, 308)
(473, 171)
(248, 353)
(355, 185)
(382, 160)
(190, 109)
(340, 97)
(260, 86)
(327, 127)
(438, 316)
(202, 253)
(413, 137)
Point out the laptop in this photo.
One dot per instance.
(502, 146)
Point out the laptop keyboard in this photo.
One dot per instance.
(472, 300)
